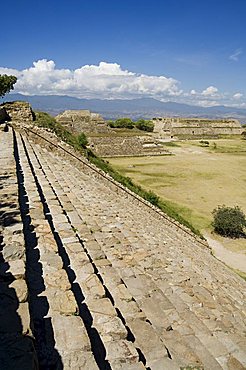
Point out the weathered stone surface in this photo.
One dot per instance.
(19, 111)
(101, 306)
(61, 301)
(92, 287)
(121, 366)
(14, 251)
(56, 278)
(111, 328)
(78, 360)
(121, 350)
(151, 347)
(16, 268)
(70, 334)
(23, 312)
(20, 288)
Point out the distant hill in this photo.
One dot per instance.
(135, 108)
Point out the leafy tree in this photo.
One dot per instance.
(229, 221)
(6, 84)
(121, 123)
(144, 125)
(82, 140)
(124, 123)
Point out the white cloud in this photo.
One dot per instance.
(105, 80)
(111, 81)
(207, 103)
(235, 55)
(237, 96)
(210, 91)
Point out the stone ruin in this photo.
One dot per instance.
(17, 111)
(117, 146)
(166, 127)
(78, 121)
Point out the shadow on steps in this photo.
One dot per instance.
(48, 356)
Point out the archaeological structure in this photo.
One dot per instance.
(93, 277)
(78, 121)
(166, 127)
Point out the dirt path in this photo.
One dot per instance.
(232, 259)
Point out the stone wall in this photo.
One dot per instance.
(78, 121)
(19, 111)
(112, 146)
(168, 127)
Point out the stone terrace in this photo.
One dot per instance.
(101, 281)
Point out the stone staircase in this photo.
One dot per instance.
(101, 280)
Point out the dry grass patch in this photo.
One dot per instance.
(194, 180)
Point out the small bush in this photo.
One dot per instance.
(82, 140)
(229, 221)
(204, 142)
(43, 119)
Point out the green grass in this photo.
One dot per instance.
(240, 273)
(43, 119)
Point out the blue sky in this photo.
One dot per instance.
(190, 51)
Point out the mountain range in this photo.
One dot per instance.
(135, 108)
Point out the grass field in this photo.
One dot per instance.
(195, 179)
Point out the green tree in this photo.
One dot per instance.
(144, 125)
(122, 123)
(6, 84)
(229, 221)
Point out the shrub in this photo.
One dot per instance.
(204, 142)
(43, 119)
(144, 125)
(121, 123)
(229, 221)
(82, 140)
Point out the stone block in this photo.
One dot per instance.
(121, 350)
(61, 301)
(152, 348)
(20, 288)
(56, 278)
(70, 334)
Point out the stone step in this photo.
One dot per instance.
(121, 304)
(117, 290)
(150, 267)
(104, 317)
(53, 304)
(15, 329)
